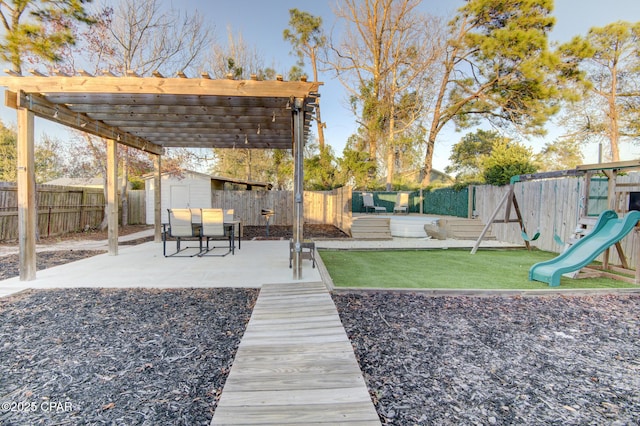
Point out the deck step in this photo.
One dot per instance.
(466, 229)
(371, 228)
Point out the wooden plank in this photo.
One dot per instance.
(160, 86)
(304, 414)
(292, 398)
(290, 369)
(314, 377)
(27, 220)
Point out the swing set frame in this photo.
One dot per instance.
(509, 199)
(617, 200)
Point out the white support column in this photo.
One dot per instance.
(157, 199)
(298, 190)
(112, 196)
(27, 209)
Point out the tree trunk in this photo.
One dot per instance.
(320, 127)
(391, 159)
(614, 125)
(428, 160)
(391, 150)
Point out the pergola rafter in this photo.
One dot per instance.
(153, 113)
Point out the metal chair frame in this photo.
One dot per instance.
(180, 227)
(213, 228)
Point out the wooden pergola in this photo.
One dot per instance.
(153, 113)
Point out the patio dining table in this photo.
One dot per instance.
(230, 226)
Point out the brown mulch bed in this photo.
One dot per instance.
(91, 356)
(277, 232)
(497, 360)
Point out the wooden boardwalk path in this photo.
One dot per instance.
(295, 364)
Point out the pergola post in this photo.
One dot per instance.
(157, 199)
(112, 196)
(27, 211)
(298, 190)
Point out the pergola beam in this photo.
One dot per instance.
(161, 86)
(62, 115)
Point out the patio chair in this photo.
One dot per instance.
(196, 217)
(368, 204)
(307, 251)
(229, 217)
(180, 227)
(213, 228)
(402, 203)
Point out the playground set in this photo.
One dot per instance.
(592, 237)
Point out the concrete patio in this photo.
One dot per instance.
(144, 266)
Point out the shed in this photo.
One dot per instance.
(188, 190)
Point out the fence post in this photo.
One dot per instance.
(83, 202)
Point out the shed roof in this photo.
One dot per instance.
(152, 113)
(221, 179)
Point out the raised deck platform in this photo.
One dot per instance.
(386, 227)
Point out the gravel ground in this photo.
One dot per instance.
(118, 357)
(497, 360)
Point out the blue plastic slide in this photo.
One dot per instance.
(608, 230)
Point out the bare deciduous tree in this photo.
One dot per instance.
(382, 61)
(145, 38)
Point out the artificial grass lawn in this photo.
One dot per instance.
(447, 269)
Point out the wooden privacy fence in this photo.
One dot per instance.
(62, 209)
(329, 207)
(325, 207)
(136, 204)
(553, 208)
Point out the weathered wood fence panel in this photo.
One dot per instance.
(327, 207)
(551, 207)
(248, 205)
(60, 209)
(137, 206)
